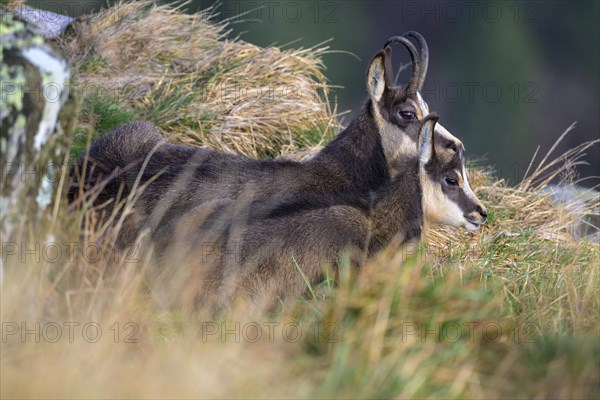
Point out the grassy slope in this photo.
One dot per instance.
(511, 311)
(197, 86)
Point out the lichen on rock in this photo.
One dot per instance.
(34, 82)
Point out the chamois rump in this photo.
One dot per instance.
(257, 255)
(178, 179)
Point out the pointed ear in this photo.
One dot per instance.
(376, 76)
(426, 148)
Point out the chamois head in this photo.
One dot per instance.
(447, 196)
(399, 110)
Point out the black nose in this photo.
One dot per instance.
(481, 212)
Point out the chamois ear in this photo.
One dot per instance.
(376, 76)
(426, 148)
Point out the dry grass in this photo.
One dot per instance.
(523, 291)
(180, 71)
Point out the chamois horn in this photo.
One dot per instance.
(416, 73)
(424, 51)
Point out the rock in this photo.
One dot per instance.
(50, 25)
(579, 200)
(33, 121)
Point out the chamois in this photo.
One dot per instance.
(359, 160)
(121, 152)
(257, 256)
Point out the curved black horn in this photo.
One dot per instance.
(424, 55)
(416, 73)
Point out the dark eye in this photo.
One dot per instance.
(408, 115)
(452, 146)
(451, 182)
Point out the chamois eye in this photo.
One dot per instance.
(408, 115)
(451, 182)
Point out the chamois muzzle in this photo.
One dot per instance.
(477, 217)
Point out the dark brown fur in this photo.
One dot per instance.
(257, 255)
(178, 179)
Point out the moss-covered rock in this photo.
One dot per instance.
(33, 119)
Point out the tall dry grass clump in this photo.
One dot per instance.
(509, 311)
(201, 88)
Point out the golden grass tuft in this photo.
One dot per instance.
(526, 284)
(180, 71)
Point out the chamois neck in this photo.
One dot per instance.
(358, 151)
(360, 135)
(397, 208)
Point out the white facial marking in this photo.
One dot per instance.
(466, 187)
(396, 144)
(443, 132)
(437, 207)
(422, 105)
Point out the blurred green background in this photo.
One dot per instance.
(504, 76)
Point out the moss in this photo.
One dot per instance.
(93, 65)
(14, 80)
(103, 114)
(13, 76)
